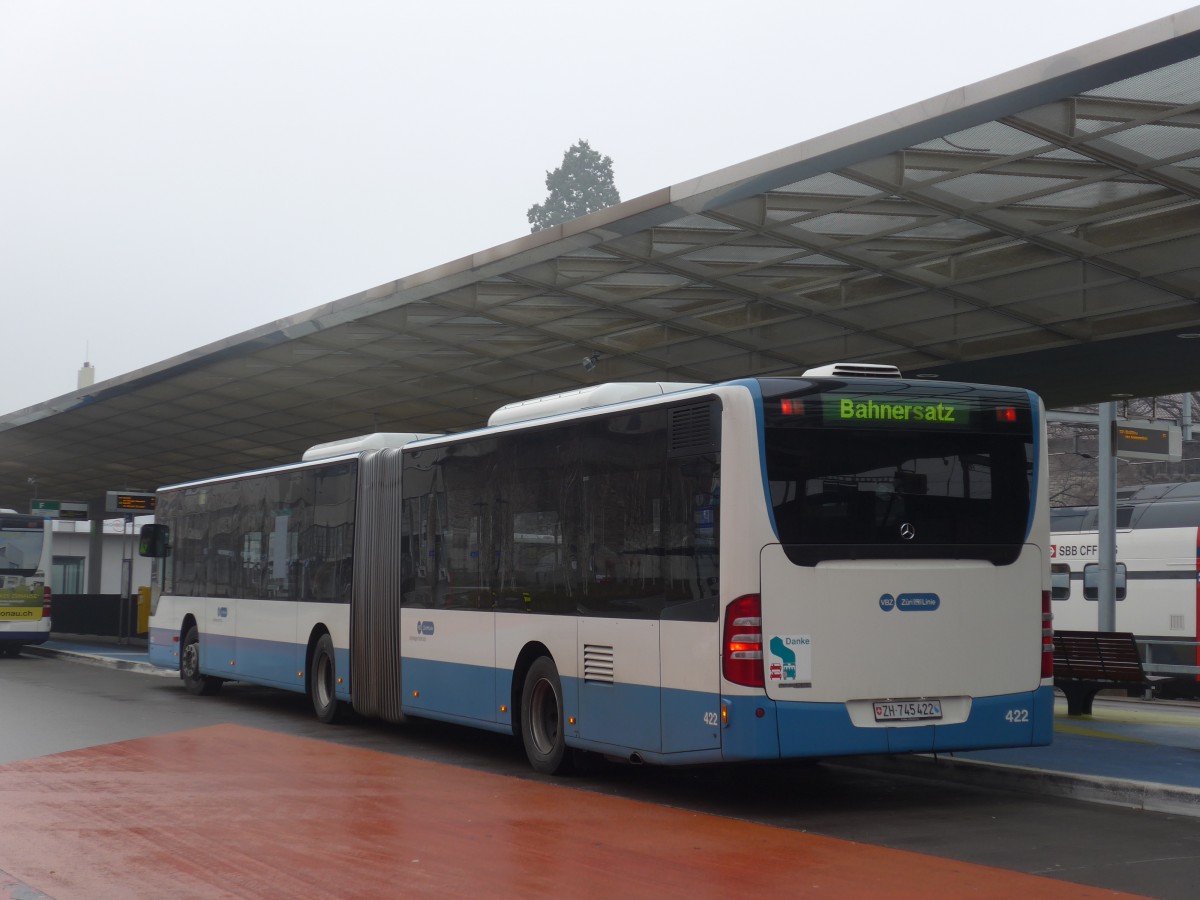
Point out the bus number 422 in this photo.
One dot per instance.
(1016, 716)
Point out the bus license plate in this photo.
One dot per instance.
(907, 710)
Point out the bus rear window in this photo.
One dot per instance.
(899, 470)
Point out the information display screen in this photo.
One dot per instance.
(131, 501)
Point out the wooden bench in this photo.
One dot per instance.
(1086, 662)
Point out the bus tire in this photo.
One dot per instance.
(542, 720)
(189, 667)
(322, 681)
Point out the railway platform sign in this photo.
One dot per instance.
(59, 509)
(1140, 439)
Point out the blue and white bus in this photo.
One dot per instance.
(847, 562)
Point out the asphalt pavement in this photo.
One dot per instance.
(1143, 754)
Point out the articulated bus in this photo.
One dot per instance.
(846, 562)
(1158, 567)
(24, 591)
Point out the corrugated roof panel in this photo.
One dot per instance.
(1177, 83)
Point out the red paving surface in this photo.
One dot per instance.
(233, 812)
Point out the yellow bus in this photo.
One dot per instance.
(24, 593)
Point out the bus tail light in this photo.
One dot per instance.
(46, 601)
(742, 659)
(1047, 637)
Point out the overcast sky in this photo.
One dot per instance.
(173, 173)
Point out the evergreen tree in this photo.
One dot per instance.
(582, 184)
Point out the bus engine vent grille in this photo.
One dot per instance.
(690, 430)
(598, 663)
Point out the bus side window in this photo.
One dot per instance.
(1091, 581)
(1060, 581)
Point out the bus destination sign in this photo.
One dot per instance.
(885, 411)
(130, 501)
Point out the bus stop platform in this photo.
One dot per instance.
(1143, 754)
(97, 650)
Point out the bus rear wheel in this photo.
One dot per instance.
(542, 719)
(189, 666)
(322, 681)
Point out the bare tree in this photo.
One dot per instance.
(1074, 449)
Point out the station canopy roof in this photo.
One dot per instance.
(1041, 228)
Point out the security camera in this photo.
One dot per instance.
(589, 363)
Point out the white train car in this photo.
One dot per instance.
(1158, 570)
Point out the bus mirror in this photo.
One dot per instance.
(155, 541)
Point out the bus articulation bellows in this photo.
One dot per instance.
(846, 562)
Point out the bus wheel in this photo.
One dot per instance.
(322, 681)
(542, 718)
(189, 666)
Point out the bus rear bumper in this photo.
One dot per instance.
(760, 728)
(24, 637)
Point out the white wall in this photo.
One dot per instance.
(74, 539)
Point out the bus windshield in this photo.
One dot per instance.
(21, 540)
(898, 470)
